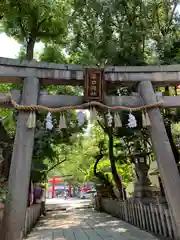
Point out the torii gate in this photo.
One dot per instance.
(32, 74)
(60, 179)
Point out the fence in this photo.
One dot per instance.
(153, 218)
(32, 216)
(1, 215)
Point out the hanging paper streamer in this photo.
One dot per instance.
(49, 124)
(31, 122)
(118, 92)
(145, 120)
(62, 122)
(93, 114)
(81, 119)
(117, 120)
(109, 119)
(132, 123)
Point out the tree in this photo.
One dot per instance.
(79, 159)
(53, 53)
(34, 21)
(7, 130)
(165, 28)
(109, 161)
(114, 32)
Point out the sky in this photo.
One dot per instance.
(9, 48)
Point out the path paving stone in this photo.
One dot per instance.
(85, 225)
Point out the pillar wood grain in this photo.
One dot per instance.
(165, 159)
(15, 210)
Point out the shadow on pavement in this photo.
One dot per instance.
(86, 225)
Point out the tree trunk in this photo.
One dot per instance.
(30, 49)
(113, 167)
(104, 179)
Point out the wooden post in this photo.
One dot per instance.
(126, 210)
(164, 155)
(53, 187)
(69, 189)
(18, 185)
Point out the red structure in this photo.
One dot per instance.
(85, 189)
(60, 179)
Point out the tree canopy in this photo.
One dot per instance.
(32, 21)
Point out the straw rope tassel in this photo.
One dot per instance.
(31, 122)
(145, 119)
(93, 114)
(62, 122)
(117, 120)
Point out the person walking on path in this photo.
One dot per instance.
(43, 202)
(41, 198)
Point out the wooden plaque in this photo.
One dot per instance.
(93, 85)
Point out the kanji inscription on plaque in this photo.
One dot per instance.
(93, 84)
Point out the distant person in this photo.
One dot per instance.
(95, 194)
(65, 195)
(37, 194)
(43, 202)
(40, 194)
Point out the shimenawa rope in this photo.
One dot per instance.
(82, 106)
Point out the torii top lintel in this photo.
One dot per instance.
(13, 71)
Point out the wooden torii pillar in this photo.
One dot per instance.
(164, 155)
(18, 185)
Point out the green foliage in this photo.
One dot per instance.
(124, 170)
(53, 53)
(7, 115)
(53, 146)
(79, 159)
(22, 53)
(3, 192)
(83, 157)
(113, 32)
(37, 20)
(42, 18)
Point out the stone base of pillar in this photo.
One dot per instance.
(147, 194)
(141, 191)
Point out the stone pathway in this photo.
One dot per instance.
(85, 225)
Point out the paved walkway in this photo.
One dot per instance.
(85, 225)
(60, 203)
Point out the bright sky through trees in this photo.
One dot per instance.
(9, 48)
